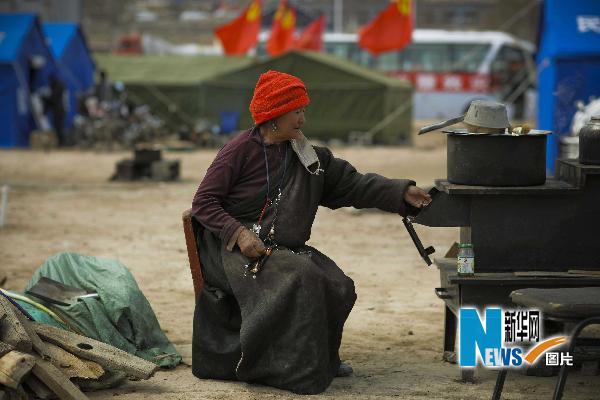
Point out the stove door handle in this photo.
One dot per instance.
(424, 252)
(442, 293)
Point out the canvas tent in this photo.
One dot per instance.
(344, 97)
(21, 41)
(69, 48)
(170, 85)
(568, 65)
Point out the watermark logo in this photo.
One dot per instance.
(500, 338)
(588, 23)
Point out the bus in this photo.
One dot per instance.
(449, 69)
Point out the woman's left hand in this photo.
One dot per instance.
(417, 197)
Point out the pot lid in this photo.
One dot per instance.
(487, 114)
(481, 113)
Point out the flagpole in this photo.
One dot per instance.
(414, 13)
(338, 15)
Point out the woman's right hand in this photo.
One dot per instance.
(250, 244)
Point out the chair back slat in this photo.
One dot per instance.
(193, 254)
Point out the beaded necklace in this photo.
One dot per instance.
(256, 228)
(255, 266)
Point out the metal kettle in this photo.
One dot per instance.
(589, 142)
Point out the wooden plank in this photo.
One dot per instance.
(110, 380)
(36, 342)
(57, 381)
(5, 348)
(72, 366)
(109, 357)
(12, 331)
(13, 368)
(40, 390)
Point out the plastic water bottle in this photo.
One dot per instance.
(465, 262)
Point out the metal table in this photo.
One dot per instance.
(487, 289)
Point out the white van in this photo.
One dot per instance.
(449, 69)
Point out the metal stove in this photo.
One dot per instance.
(544, 236)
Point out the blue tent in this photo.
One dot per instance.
(69, 48)
(568, 65)
(21, 41)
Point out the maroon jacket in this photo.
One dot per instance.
(238, 172)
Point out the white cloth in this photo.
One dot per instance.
(306, 154)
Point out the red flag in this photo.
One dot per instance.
(390, 30)
(282, 30)
(312, 36)
(241, 34)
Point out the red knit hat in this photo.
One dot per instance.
(275, 94)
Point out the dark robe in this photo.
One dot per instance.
(284, 327)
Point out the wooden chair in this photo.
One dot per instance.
(193, 253)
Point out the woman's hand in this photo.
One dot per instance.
(250, 244)
(417, 197)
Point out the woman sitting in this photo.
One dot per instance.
(273, 309)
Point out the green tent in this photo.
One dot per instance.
(344, 97)
(170, 85)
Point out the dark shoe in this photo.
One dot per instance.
(344, 370)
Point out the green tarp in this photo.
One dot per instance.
(345, 97)
(121, 317)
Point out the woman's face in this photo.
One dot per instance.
(289, 124)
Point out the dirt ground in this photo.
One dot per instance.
(63, 201)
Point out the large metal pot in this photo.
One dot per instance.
(589, 142)
(496, 159)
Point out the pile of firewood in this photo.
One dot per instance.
(41, 361)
